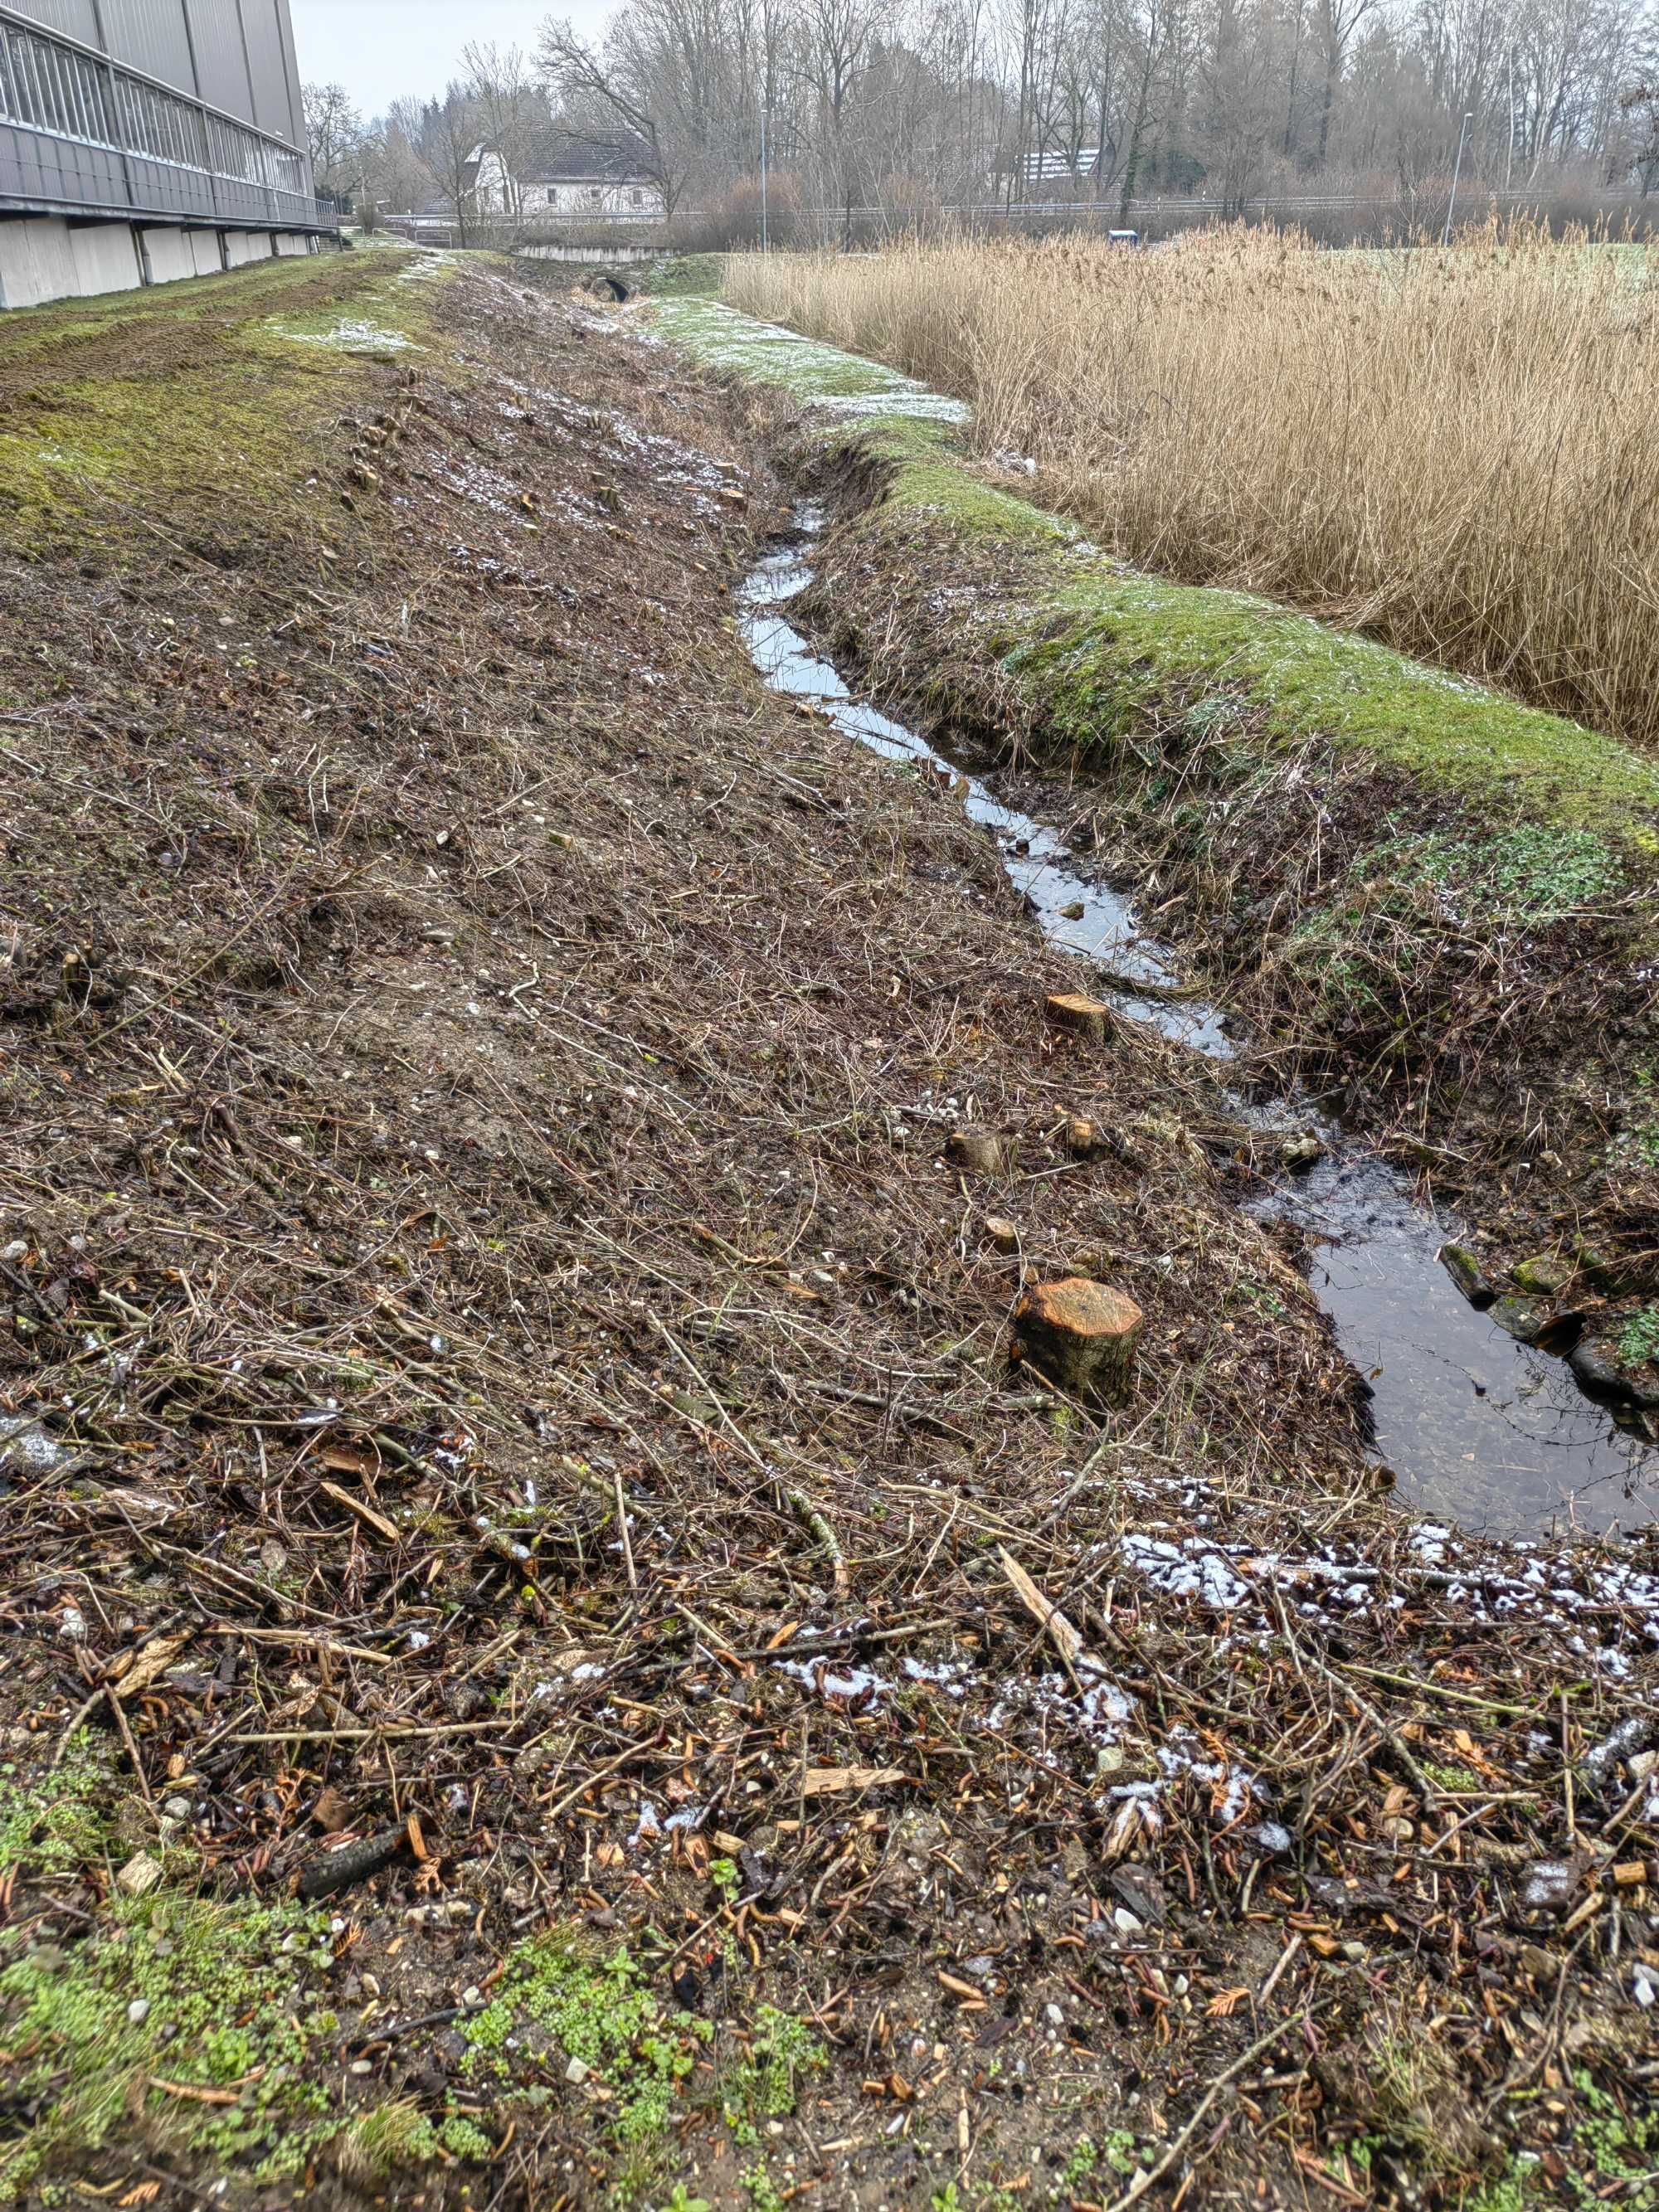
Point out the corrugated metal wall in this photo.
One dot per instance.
(204, 46)
(221, 57)
(76, 17)
(274, 109)
(151, 35)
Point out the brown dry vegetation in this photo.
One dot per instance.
(1457, 451)
(498, 1345)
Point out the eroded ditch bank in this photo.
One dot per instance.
(979, 615)
(1477, 1425)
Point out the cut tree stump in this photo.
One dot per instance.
(983, 1151)
(1002, 1232)
(1082, 1334)
(1084, 1016)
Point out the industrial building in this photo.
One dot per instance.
(141, 141)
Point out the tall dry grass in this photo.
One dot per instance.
(1457, 451)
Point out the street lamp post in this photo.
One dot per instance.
(1457, 171)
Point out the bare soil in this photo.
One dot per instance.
(506, 1363)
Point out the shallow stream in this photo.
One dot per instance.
(1477, 1428)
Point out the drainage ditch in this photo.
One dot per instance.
(1476, 1427)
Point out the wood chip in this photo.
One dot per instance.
(1047, 1615)
(828, 1781)
(366, 1514)
(145, 1667)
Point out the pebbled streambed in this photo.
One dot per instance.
(1478, 1428)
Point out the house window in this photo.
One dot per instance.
(636, 199)
(594, 194)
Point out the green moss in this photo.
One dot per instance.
(63, 1824)
(1533, 873)
(681, 276)
(851, 390)
(598, 2010)
(464, 2138)
(175, 1991)
(1116, 649)
(1457, 1779)
(1507, 2193)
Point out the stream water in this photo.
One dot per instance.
(1478, 1428)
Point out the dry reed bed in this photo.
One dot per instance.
(1457, 451)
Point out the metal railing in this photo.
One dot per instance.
(82, 135)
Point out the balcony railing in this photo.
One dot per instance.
(82, 135)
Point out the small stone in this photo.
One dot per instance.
(1466, 1271)
(139, 1875)
(1299, 1153)
(1545, 1275)
(1053, 2015)
(177, 1808)
(472, 1996)
(1601, 1373)
(1084, 1016)
(138, 2011)
(1074, 912)
(1125, 1921)
(1083, 1335)
(982, 1151)
(362, 2066)
(577, 2071)
(1002, 1233)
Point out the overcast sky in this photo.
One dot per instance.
(382, 49)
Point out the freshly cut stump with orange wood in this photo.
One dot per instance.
(1082, 1334)
(1084, 1016)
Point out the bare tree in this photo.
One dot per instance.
(511, 107)
(338, 140)
(609, 101)
(452, 134)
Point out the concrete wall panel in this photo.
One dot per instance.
(292, 242)
(245, 246)
(168, 254)
(106, 258)
(205, 256)
(36, 262)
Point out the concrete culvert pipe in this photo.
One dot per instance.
(610, 288)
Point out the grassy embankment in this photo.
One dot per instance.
(1457, 453)
(1438, 893)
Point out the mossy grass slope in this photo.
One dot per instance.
(116, 414)
(1099, 647)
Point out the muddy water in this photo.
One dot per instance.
(1477, 1429)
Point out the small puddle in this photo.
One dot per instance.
(1477, 1427)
